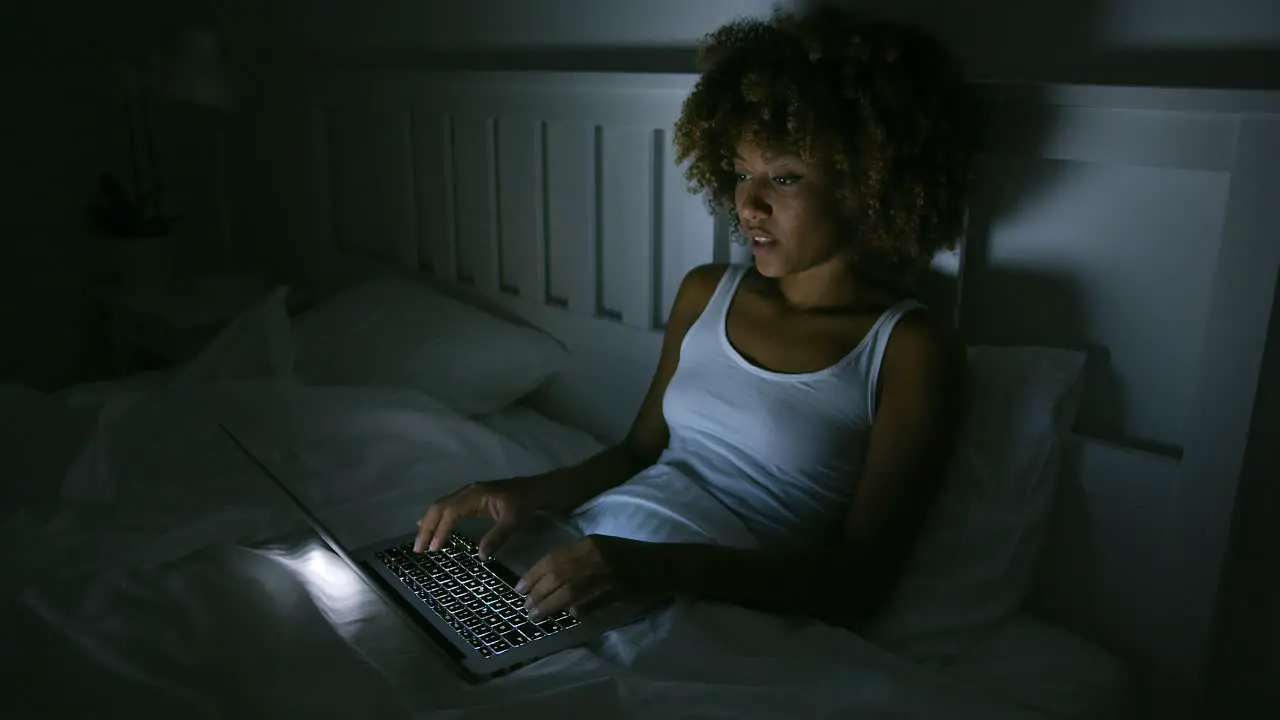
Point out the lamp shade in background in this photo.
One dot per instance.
(193, 71)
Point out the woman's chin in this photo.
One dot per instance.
(769, 264)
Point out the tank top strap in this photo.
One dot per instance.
(878, 340)
(713, 315)
(725, 289)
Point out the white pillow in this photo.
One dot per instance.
(39, 438)
(977, 557)
(558, 444)
(256, 345)
(398, 333)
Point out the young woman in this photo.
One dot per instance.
(803, 409)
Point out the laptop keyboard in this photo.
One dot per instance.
(467, 594)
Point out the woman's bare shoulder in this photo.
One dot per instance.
(696, 289)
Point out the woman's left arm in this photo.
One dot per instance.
(917, 420)
(843, 583)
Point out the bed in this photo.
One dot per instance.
(179, 581)
(543, 208)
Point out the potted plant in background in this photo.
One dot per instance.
(138, 232)
(133, 219)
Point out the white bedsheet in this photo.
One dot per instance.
(158, 572)
(1025, 660)
(1036, 664)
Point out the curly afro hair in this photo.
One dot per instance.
(881, 108)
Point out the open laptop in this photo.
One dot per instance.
(465, 607)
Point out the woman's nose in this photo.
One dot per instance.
(752, 206)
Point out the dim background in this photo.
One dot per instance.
(59, 128)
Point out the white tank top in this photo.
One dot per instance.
(781, 452)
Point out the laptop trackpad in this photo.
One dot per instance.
(535, 538)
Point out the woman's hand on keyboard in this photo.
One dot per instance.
(595, 571)
(508, 502)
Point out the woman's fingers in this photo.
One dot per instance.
(438, 522)
(496, 538)
(555, 601)
(427, 527)
(560, 582)
(587, 605)
(448, 518)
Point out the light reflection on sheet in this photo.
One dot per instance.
(361, 617)
(341, 594)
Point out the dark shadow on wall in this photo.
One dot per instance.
(86, 34)
(1247, 625)
(1250, 69)
(999, 40)
(676, 59)
(1245, 68)
(60, 127)
(1064, 42)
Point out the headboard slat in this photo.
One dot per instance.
(434, 194)
(520, 207)
(626, 242)
(571, 223)
(474, 203)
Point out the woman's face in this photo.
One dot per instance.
(788, 212)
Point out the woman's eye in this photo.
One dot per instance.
(780, 180)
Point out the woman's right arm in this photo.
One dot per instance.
(565, 489)
(561, 491)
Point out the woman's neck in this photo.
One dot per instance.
(829, 286)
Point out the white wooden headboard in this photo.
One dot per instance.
(1139, 224)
